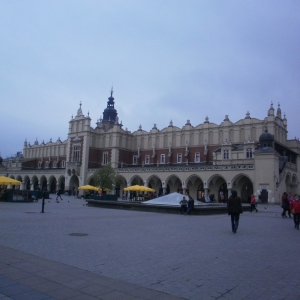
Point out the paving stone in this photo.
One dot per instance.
(46, 286)
(31, 295)
(15, 289)
(63, 293)
(30, 280)
(6, 282)
(96, 290)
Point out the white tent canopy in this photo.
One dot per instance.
(170, 199)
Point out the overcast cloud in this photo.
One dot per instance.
(167, 60)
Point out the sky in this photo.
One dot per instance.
(167, 60)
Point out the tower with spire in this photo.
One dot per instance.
(110, 114)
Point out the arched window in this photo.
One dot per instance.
(76, 153)
(105, 158)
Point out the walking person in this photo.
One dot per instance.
(253, 203)
(190, 206)
(183, 206)
(58, 195)
(285, 205)
(295, 209)
(234, 209)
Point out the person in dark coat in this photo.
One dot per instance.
(183, 204)
(234, 209)
(285, 205)
(58, 195)
(190, 206)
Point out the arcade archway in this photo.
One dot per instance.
(244, 187)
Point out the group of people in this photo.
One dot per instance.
(234, 208)
(291, 204)
(186, 206)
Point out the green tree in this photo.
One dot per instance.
(106, 177)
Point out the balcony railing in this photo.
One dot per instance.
(191, 167)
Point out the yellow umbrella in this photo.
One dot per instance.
(147, 189)
(105, 189)
(134, 188)
(88, 187)
(139, 188)
(6, 181)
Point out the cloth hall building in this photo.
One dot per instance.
(249, 156)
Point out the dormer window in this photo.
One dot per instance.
(226, 154)
(249, 153)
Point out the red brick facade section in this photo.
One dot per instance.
(126, 156)
(34, 163)
(95, 157)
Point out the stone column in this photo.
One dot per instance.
(229, 192)
(205, 194)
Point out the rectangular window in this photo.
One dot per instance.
(134, 160)
(76, 153)
(105, 158)
(179, 158)
(162, 158)
(249, 152)
(147, 159)
(226, 154)
(47, 164)
(39, 165)
(197, 157)
(54, 164)
(63, 163)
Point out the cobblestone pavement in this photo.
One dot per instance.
(123, 254)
